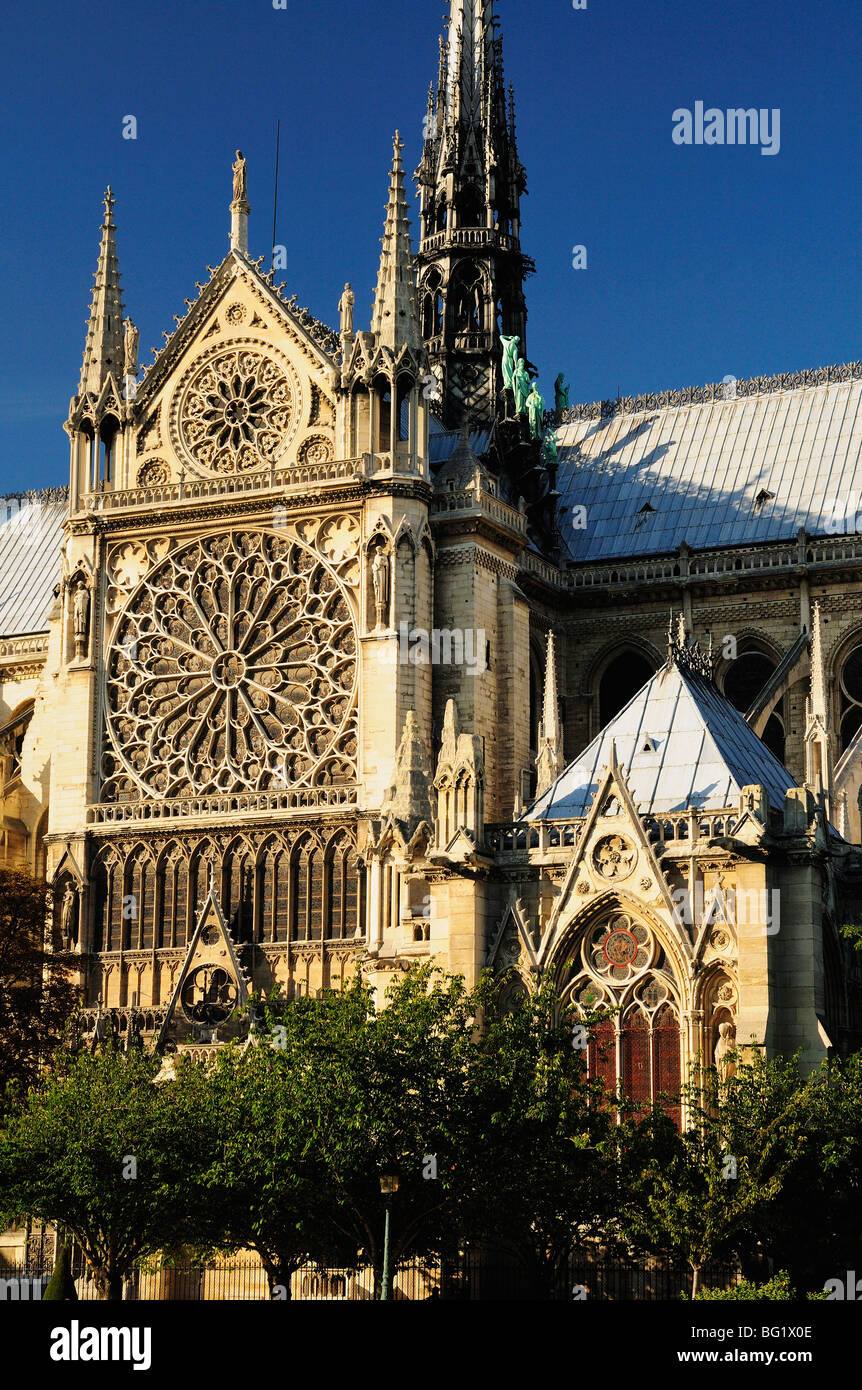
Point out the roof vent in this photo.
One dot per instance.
(644, 515)
(762, 498)
(649, 745)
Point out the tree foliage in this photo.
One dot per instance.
(36, 995)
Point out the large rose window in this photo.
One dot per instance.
(232, 667)
(236, 411)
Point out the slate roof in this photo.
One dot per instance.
(680, 744)
(31, 533)
(705, 470)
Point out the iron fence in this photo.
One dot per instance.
(473, 1276)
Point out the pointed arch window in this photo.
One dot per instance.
(239, 892)
(274, 894)
(308, 893)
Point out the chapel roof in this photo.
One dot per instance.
(31, 533)
(680, 744)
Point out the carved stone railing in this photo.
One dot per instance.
(521, 839)
(236, 484)
(470, 499)
(822, 552)
(468, 236)
(298, 800)
(14, 648)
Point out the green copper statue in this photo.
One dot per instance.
(510, 355)
(561, 393)
(550, 448)
(536, 411)
(521, 386)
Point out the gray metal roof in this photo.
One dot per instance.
(680, 744)
(714, 473)
(31, 532)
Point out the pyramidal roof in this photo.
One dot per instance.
(680, 743)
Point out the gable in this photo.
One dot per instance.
(245, 385)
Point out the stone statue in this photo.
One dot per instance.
(724, 1048)
(510, 357)
(521, 386)
(81, 616)
(380, 578)
(536, 411)
(345, 309)
(69, 917)
(240, 179)
(561, 394)
(131, 339)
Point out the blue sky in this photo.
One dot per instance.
(701, 261)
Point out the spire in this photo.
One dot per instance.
(549, 763)
(394, 318)
(103, 350)
(471, 182)
(408, 798)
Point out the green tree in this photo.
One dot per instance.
(547, 1142)
(93, 1149)
(253, 1177)
(709, 1193)
(36, 995)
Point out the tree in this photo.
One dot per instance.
(36, 995)
(548, 1137)
(94, 1148)
(253, 1178)
(389, 1089)
(709, 1194)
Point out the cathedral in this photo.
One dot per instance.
(346, 649)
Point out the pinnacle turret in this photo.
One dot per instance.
(394, 319)
(103, 351)
(549, 763)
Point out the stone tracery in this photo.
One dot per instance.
(236, 411)
(232, 667)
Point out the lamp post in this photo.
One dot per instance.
(388, 1186)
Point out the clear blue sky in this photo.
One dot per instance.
(702, 261)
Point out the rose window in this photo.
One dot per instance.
(619, 950)
(209, 995)
(613, 857)
(232, 667)
(236, 412)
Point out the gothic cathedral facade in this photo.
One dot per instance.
(325, 678)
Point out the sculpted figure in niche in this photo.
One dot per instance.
(345, 309)
(131, 338)
(240, 179)
(725, 1065)
(81, 617)
(69, 917)
(380, 575)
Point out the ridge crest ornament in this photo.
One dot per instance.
(232, 668)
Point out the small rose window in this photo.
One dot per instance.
(620, 949)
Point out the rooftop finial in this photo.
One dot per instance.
(239, 208)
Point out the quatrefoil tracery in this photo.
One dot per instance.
(233, 667)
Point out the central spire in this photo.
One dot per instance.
(471, 269)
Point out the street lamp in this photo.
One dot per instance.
(388, 1186)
